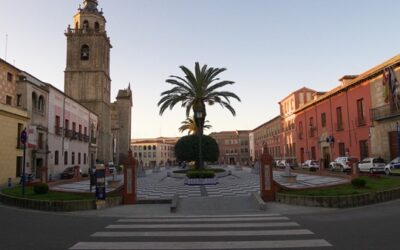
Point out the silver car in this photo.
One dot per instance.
(372, 165)
(393, 167)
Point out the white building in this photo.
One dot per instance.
(72, 133)
(155, 151)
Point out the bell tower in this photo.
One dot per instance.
(87, 73)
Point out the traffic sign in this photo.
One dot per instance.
(24, 136)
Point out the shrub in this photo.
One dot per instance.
(85, 175)
(187, 148)
(313, 169)
(358, 183)
(200, 174)
(41, 188)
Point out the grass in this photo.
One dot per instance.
(50, 196)
(374, 184)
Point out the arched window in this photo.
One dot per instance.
(34, 101)
(96, 26)
(41, 103)
(154, 147)
(56, 157)
(85, 24)
(145, 147)
(85, 52)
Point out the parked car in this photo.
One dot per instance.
(284, 163)
(372, 164)
(343, 163)
(69, 172)
(311, 165)
(111, 167)
(393, 167)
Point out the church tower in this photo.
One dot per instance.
(87, 73)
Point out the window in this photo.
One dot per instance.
(342, 149)
(84, 158)
(85, 52)
(360, 112)
(144, 147)
(79, 158)
(20, 128)
(73, 126)
(9, 77)
(65, 157)
(73, 158)
(85, 130)
(18, 167)
(96, 26)
(85, 24)
(8, 100)
(34, 101)
(339, 121)
(363, 149)
(41, 104)
(154, 147)
(56, 157)
(80, 129)
(313, 153)
(19, 100)
(154, 154)
(40, 141)
(323, 120)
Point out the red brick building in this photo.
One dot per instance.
(233, 146)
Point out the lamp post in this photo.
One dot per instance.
(199, 117)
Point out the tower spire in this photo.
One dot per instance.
(90, 5)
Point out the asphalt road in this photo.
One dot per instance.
(370, 227)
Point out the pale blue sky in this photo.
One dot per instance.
(270, 48)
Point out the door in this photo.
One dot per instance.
(393, 144)
(326, 157)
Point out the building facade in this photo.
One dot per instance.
(13, 120)
(72, 134)
(121, 125)
(268, 133)
(153, 152)
(233, 147)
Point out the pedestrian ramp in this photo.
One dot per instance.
(261, 231)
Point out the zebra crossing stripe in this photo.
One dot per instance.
(233, 216)
(203, 245)
(204, 233)
(270, 218)
(221, 225)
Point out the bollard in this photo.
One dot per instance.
(9, 182)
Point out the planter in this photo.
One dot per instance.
(201, 181)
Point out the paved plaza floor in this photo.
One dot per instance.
(241, 182)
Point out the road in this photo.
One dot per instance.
(369, 227)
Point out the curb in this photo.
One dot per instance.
(259, 202)
(344, 201)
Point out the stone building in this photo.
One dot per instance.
(121, 125)
(233, 147)
(12, 121)
(267, 133)
(154, 151)
(87, 78)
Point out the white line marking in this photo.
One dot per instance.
(221, 225)
(206, 219)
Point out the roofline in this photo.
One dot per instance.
(265, 123)
(367, 75)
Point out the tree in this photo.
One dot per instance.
(197, 89)
(190, 125)
(187, 148)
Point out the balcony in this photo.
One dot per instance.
(80, 136)
(68, 133)
(85, 138)
(339, 126)
(58, 130)
(74, 135)
(93, 140)
(384, 112)
(360, 121)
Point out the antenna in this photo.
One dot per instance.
(5, 54)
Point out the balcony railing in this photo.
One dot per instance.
(339, 126)
(85, 138)
(74, 135)
(384, 112)
(68, 133)
(80, 136)
(360, 121)
(93, 140)
(58, 130)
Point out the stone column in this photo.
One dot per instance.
(129, 195)
(267, 186)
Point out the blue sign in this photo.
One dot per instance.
(24, 136)
(101, 193)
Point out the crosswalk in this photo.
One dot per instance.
(266, 231)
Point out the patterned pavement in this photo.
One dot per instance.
(240, 183)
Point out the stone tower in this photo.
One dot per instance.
(121, 124)
(87, 74)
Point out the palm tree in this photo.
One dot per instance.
(190, 125)
(195, 90)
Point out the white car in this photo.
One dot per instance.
(311, 165)
(343, 163)
(372, 165)
(393, 167)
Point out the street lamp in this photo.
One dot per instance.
(199, 117)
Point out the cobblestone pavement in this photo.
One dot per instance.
(241, 182)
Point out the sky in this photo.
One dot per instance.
(270, 49)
